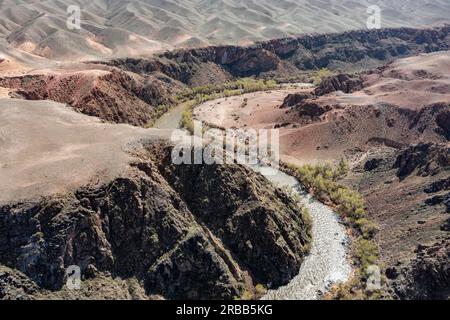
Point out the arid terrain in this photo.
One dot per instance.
(393, 125)
(108, 198)
(87, 178)
(129, 90)
(388, 105)
(134, 28)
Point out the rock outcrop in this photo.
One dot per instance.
(294, 99)
(14, 285)
(340, 82)
(435, 117)
(311, 109)
(429, 274)
(246, 215)
(443, 121)
(168, 226)
(285, 57)
(426, 158)
(114, 96)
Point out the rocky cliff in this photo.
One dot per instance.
(197, 232)
(129, 90)
(285, 57)
(112, 95)
(108, 199)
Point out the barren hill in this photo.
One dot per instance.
(130, 28)
(393, 126)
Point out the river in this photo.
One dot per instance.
(327, 263)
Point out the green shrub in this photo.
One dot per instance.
(231, 88)
(260, 290)
(187, 121)
(320, 75)
(366, 228)
(366, 251)
(323, 181)
(306, 215)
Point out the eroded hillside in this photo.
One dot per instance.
(109, 28)
(131, 90)
(132, 221)
(392, 125)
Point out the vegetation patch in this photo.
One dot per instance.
(320, 75)
(322, 181)
(230, 88)
(193, 97)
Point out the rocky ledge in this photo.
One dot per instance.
(148, 229)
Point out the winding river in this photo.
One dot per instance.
(327, 263)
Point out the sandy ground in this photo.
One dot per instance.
(263, 112)
(230, 112)
(4, 92)
(10, 67)
(47, 148)
(123, 28)
(410, 83)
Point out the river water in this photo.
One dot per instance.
(171, 119)
(327, 263)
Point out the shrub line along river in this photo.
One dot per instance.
(327, 262)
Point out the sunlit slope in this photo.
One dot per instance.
(121, 27)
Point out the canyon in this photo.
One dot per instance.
(390, 124)
(130, 90)
(87, 181)
(131, 219)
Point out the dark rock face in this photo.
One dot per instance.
(254, 62)
(305, 105)
(340, 82)
(428, 158)
(196, 232)
(443, 121)
(433, 117)
(443, 184)
(429, 276)
(308, 52)
(242, 213)
(440, 199)
(372, 164)
(15, 286)
(193, 264)
(311, 109)
(392, 273)
(295, 99)
(446, 226)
